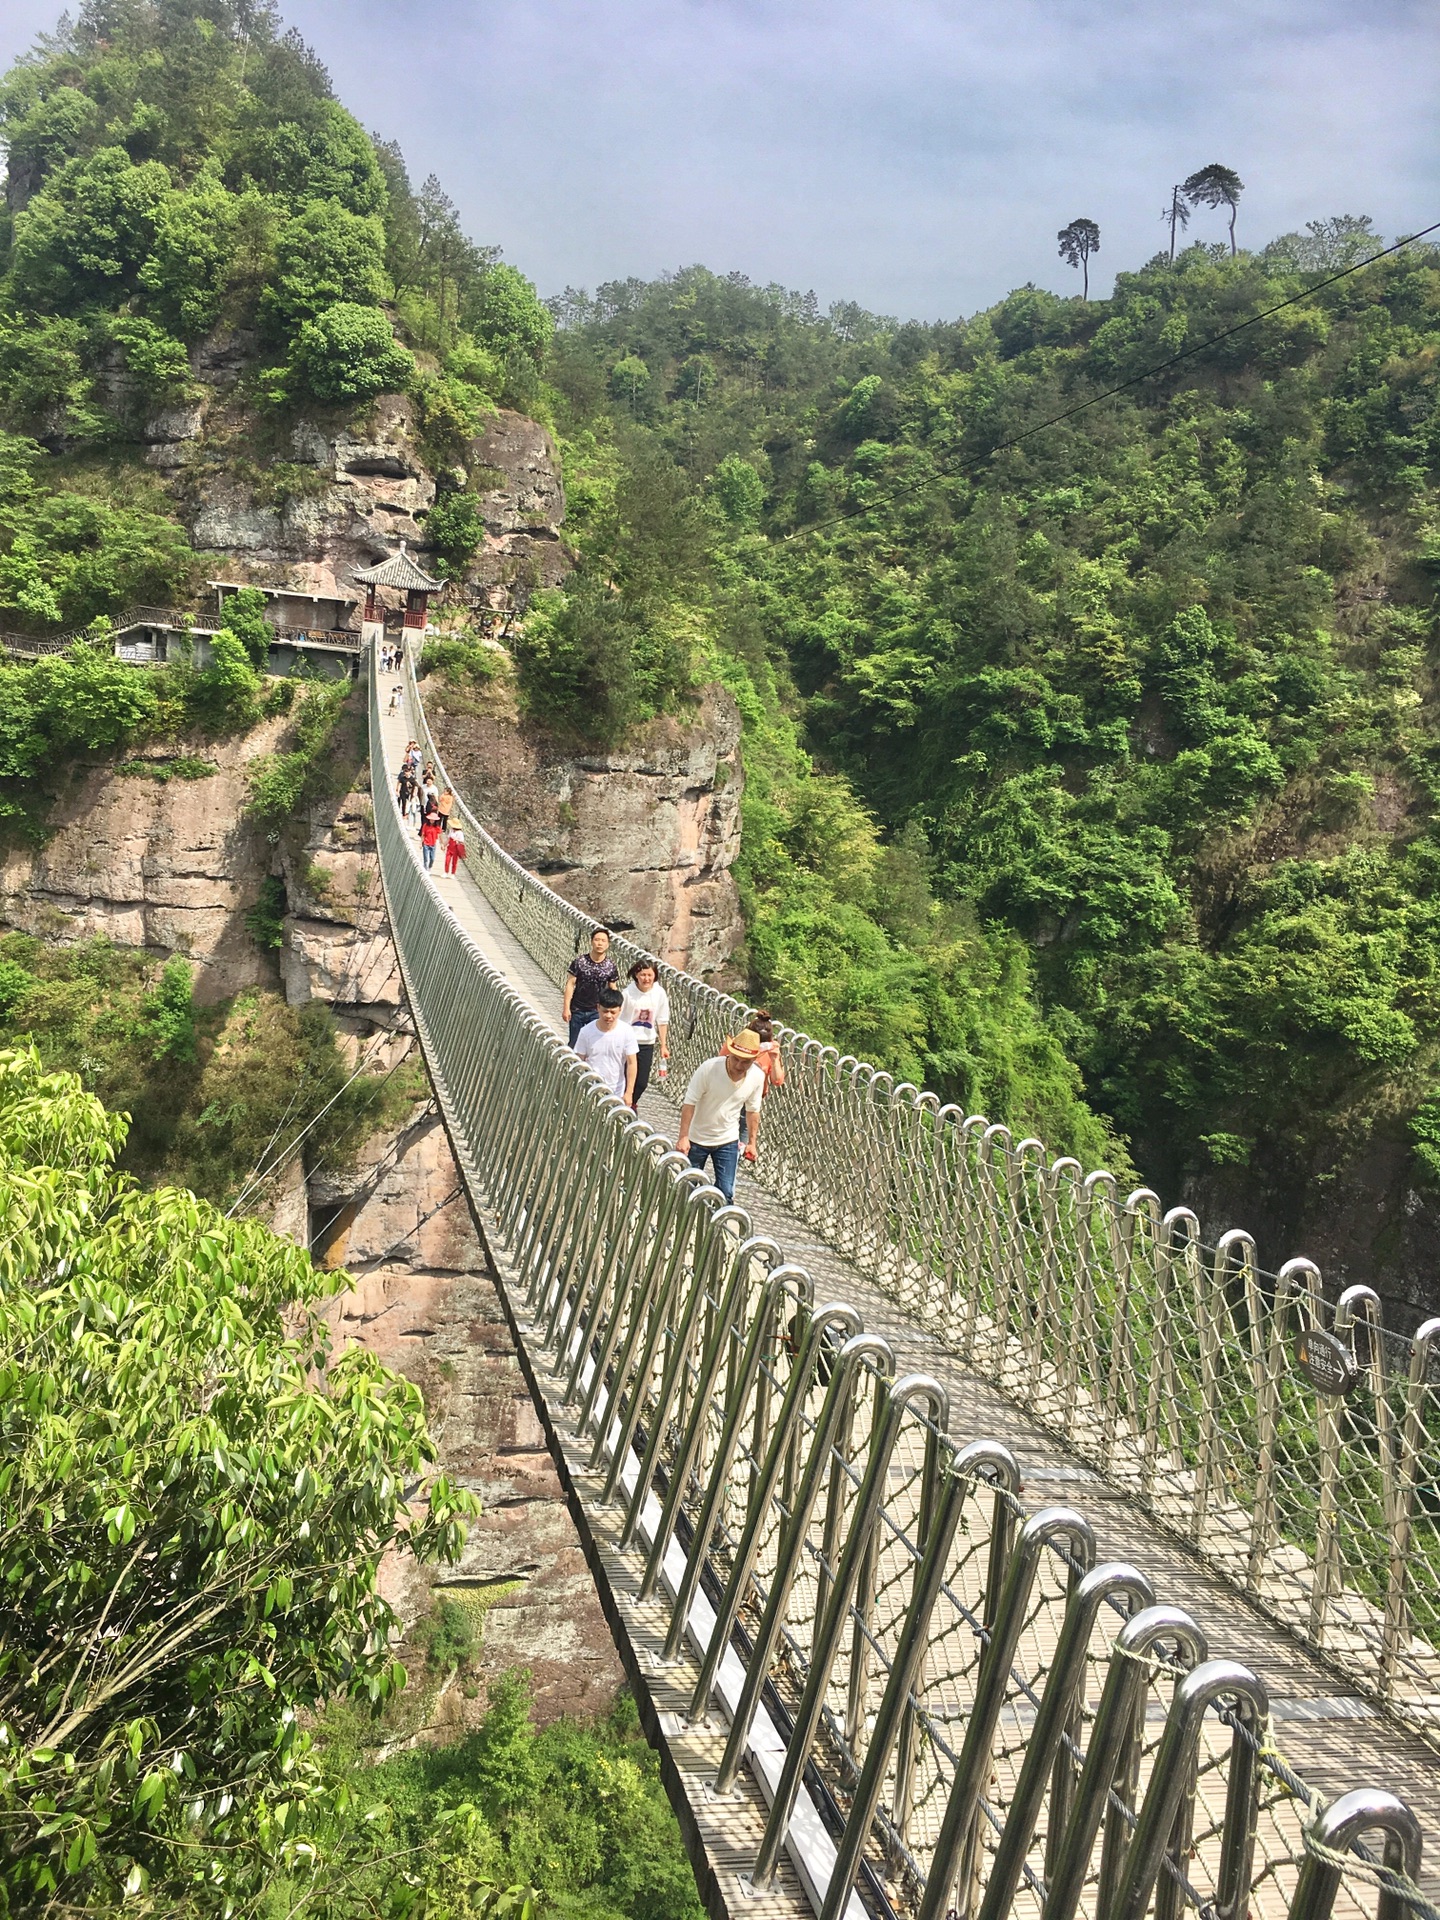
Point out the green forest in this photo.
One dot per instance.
(1093, 771)
(203, 1708)
(1092, 758)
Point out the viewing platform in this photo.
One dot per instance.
(150, 636)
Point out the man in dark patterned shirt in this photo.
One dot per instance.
(590, 973)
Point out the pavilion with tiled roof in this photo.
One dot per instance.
(398, 571)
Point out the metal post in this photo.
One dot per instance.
(1058, 1713)
(632, 1375)
(827, 1324)
(712, 1362)
(1002, 1521)
(910, 1388)
(992, 1682)
(857, 1350)
(1172, 1783)
(957, 1484)
(1335, 1831)
(1114, 1745)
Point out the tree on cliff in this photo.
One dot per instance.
(1216, 186)
(1077, 242)
(507, 317)
(196, 1496)
(1176, 215)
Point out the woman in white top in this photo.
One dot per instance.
(646, 1008)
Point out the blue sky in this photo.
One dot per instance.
(915, 155)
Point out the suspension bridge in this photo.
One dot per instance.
(980, 1539)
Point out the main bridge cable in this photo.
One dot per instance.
(1123, 386)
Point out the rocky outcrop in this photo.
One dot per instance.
(515, 469)
(642, 837)
(517, 476)
(369, 489)
(523, 1563)
(337, 943)
(354, 488)
(171, 866)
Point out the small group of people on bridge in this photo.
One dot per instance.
(429, 808)
(618, 1033)
(622, 1033)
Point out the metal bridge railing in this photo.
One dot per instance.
(992, 1722)
(30, 646)
(1293, 1441)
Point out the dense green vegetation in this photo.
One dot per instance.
(1092, 774)
(1143, 706)
(198, 1494)
(65, 714)
(207, 1087)
(178, 167)
(574, 1811)
(201, 1683)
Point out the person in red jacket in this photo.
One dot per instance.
(429, 835)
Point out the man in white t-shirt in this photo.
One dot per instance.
(608, 1046)
(720, 1090)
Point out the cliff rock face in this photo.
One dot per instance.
(1368, 1220)
(642, 837)
(174, 867)
(350, 491)
(516, 472)
(171, 866)
(337, 943)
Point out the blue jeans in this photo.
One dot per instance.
(427, 854)
(578, 1020)
(726, 1159)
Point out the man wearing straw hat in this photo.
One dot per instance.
(720, 1090)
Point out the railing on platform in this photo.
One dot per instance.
(342, 639)
(102, 634)
(170, 620)
(1292, 1441)
(993, 1722)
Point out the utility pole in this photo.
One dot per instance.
(1178, 215)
